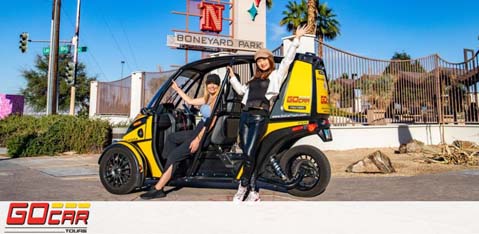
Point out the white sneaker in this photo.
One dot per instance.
(253, 196)
(239, 196)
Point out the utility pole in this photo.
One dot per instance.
(75, 42)
(52, 93)
(122, 64)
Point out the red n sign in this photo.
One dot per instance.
(211, 17)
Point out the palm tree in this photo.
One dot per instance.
(269, 4)
(324, 24)
(294, 15)
(327, 25)
(297, 13)
(312, 13)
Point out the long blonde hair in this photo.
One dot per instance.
(207, 95)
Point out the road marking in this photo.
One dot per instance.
(5, 174)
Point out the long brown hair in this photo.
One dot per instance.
(264, 74)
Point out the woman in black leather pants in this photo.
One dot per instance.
(258, 92)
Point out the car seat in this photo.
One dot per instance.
(225, 131)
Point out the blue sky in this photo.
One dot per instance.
(135, 32)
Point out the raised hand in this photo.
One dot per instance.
(175, 86)
(300, 31)
(231, 72)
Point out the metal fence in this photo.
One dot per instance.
(113, 98)
(423, 90)
(362, 90)
(152, 81)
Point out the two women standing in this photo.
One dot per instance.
(257, 93)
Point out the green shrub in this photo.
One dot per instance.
(17, 144)
(15, 125)
(49, 135)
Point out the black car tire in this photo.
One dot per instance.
(317, 167)
(119, 172)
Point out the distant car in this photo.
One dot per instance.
(301, 109)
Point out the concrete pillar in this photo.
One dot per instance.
(308, 44)
(93, 98)
(244, 27)
(136, 93)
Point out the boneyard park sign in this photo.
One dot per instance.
(211, 43)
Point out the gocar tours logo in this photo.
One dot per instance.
(43, 217)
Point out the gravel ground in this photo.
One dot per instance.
(410, 164)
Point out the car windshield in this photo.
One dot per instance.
(188, 82)
(191, 82)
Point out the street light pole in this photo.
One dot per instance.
(122, 64)
(75, 42)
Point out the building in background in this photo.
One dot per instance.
(11, 104)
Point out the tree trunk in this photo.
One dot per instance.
(320, 46)
(312, 12)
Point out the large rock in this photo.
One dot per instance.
(414, 146)
(402, 149)
(376, 162)
(432, 149)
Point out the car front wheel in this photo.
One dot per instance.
(119, 170)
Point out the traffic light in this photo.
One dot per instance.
(23, 42)
(70, 73)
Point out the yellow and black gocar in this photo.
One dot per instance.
(301, 109)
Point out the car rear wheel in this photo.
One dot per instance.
(314, 164)
(119, 170)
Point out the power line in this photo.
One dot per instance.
(90, 53)
(116, 42)
(129, 45)
(96, 62)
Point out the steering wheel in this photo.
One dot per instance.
(187, 109)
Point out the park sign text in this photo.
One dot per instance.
(210, 42)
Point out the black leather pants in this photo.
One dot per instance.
(252, 128)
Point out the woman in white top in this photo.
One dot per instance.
(258, 92)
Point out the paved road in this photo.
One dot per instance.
(74, 178)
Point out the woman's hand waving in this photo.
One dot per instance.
(231, 72)
(300, 31)
(174, 86)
